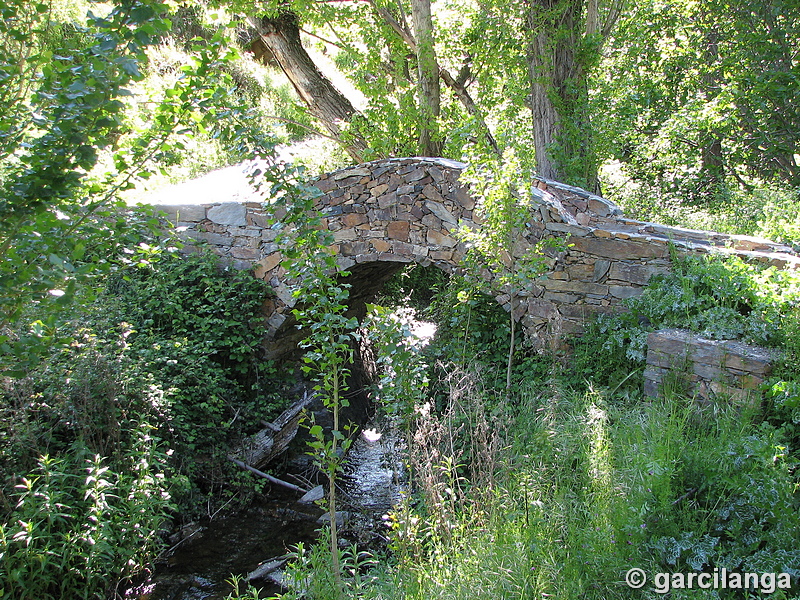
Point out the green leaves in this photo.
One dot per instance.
(699, 98)
(190, 297)
(75, 521)
(716, 296)
(61, 109)
(403, 371)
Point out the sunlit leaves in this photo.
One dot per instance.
(696, 97)
(66, 112)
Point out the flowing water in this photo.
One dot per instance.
(374, 479)
(199, 567)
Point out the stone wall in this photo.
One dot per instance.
(391, 212)
(612, 258)
(712, 367)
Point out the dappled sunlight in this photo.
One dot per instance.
(423, 331)
(600, 472)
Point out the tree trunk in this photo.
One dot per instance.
(457, 84)
(559, 93)
(281, 35)
(428, 79)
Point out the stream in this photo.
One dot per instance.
(198, 568)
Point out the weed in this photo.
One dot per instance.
(76, 522)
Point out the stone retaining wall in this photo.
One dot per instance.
(712, 367)
(612, 258)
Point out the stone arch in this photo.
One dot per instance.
(398, 211)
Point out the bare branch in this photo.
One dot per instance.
(322, 39)
(465, 72)
(469, 104)
(306, 127)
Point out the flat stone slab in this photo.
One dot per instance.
(228, 213)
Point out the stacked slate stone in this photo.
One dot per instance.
(708, 368)
(391, 212)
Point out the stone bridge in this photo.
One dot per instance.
(389, 213)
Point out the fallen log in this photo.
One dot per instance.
(263, 447)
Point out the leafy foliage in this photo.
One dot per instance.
(196, 333)
(403, 374)
(696, 98)
(76, 521)
(413, 287)
(586, 488)
(153, 348)
(499, 246)
(195, 298)
(61, 106)
(473, 329)
(68, 148)
(320, 307)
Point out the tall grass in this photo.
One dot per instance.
(586, 487)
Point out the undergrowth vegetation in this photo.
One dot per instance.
(132, 373)
(718, 297)
(562, 494)
(554, 488)
(130, 424)
(560, 489)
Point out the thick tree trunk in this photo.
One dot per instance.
(562, 136)
(428, 78)
(546, 118)
(281, 35)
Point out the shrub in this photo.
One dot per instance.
(174, 342)
(718, 297)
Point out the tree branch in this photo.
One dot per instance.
(613, 16)
(332, 43)
(457, 84)
(466, 100)
(268, 477)
(401, 29)
(306, 127)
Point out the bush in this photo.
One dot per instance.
(196, 335)
(718, 297)
(174, 342)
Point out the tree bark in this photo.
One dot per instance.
(546, 118)
(281, 35)
(466, 100)
(428, 79)
(559, 92)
